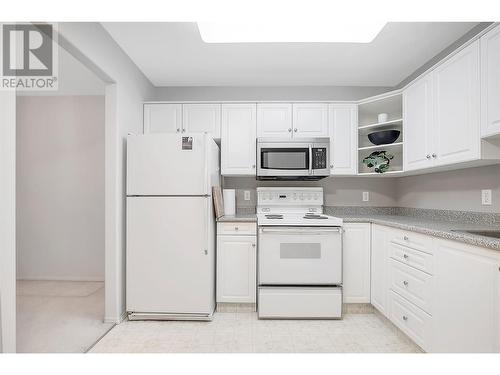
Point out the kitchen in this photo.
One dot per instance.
(250, 210)
(299, 257)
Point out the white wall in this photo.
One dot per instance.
(127, 89)
(267, 93)
(7, 221)
(73, 78)
(454, 190)
(60, 187)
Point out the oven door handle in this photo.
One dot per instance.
(310, 160)
(308, 230)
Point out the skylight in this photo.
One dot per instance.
(262, 32)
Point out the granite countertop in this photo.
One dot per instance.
(434, 227)
(239, 217)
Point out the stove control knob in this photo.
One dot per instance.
(294, 196)
(301, 197)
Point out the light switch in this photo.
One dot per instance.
(486, 197)
(246, 195)
(366, 196)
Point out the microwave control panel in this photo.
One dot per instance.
(319, 158)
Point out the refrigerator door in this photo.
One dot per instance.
(168, 164)
(170, 255)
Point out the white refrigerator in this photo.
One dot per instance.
(170, 258)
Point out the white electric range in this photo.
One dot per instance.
(300, 255)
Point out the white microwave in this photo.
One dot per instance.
(305, 159)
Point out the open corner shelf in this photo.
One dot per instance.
(376, 147)
(368, 112)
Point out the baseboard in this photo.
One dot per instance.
(116, 320)
(357, 308)
(236, 307)
(90, 279)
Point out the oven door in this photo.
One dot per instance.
(278, 159)
(300, 256)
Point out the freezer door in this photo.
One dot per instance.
(168, 164)
(170, 258)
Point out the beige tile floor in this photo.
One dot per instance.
(59, 316)
(244, 333)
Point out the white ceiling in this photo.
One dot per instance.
(173, 54)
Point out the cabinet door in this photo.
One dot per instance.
(456, 129)
(343, 139)
(379, 268)
(466, 314)
(356, 263)
(200, 118)
(310, 120)
(490, 83)
(162, 118)
(417, 125)
(236, 269)
(238, 139)
(274, 120)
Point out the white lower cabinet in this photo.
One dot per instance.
(466, 314)
(445, 295)
(236, 265)
(379, 265)
(356, 263)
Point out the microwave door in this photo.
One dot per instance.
(276, 160)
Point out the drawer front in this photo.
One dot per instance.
(412, 240)
(412, 284)
(300, 303)
(235, 228)
(415, 258)
(411, 320)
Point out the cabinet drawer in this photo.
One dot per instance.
(412, 240)
(415, 258)
(412, 284)
(235, 228)
(411, 320)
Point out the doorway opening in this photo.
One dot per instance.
(60, 175)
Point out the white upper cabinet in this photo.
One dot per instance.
(456, 129)
(343, 139)
(310, 120)
(356, 263)
(417, 123)
(238, 139)
(274, 120)
(199, 118)
(490, 83)
(162, 118)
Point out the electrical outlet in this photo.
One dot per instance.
(486, 197)
(246, 195)
(366, 196)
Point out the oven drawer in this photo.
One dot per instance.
(414, 285)
(300, 256)
(235, 228)
(300, 302)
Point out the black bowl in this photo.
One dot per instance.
(384, 137)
